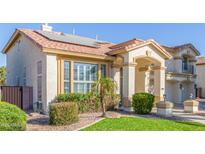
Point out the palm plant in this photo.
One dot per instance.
(105, 87)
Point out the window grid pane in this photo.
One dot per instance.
(39, 88)
(84, 76)
(103, 70)
(66, 76)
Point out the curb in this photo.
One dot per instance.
(89, 124)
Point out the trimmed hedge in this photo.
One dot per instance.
(86, 102)
(12, 118)
(63, 113)
(142, 103)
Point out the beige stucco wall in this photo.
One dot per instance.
(177, 95)
(26, 54)
(200, 79)
(116, 77)
(51, 80)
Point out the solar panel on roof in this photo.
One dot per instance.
(68, 38)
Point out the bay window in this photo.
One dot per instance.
(83, 77)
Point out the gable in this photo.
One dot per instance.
(148, 51)
(150, 43)
(14, 38)
(188, 51)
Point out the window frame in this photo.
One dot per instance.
(84, 80)
(73, 71)
(68, 81)
(39, 80)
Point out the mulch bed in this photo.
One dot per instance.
(40, 122)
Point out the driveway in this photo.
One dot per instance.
(179, 114)
(198, 117)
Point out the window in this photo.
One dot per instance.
(84, 76)
(39, 80)
(39, 88)
(103, 70)
(39, 67)
(185, 63)
(66, 77)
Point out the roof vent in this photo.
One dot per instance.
(46, 27)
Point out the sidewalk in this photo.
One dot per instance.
(179, 114)
(189, 116)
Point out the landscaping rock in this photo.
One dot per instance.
(112, 114)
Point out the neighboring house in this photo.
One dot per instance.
(200, 70)
(181, 73)
(54, 63)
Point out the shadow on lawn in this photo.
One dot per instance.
(191, 123)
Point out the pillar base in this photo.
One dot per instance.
(191, 106)
(164, 108)
(158, 99)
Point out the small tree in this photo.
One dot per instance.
(106, 87)
(2, 75)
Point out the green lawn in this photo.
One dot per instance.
(144, 124)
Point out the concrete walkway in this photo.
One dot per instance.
(179, 114)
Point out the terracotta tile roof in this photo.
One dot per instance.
(200, 61)
(101, 49)
(179, 47)
(44, 42)
(127, 43)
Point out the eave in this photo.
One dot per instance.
(13, 38)
(77, 54)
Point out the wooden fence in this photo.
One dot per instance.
(19, 95)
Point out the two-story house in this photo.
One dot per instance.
(181, 73)
(55, 62)
(200, 80)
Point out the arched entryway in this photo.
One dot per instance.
(139, 68)
(147, 76)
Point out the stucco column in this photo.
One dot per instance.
(128, 84)
(178, 64)
(159, 83)
(116, 77)
(142, 79)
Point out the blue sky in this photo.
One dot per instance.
(166, 34)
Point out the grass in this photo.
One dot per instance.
(144, 124)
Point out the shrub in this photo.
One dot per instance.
(63, 113)
(142, 103)
(112, 102)
(106, 88)
(86, 102)
(12, 118)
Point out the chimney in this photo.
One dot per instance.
(46, 27)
